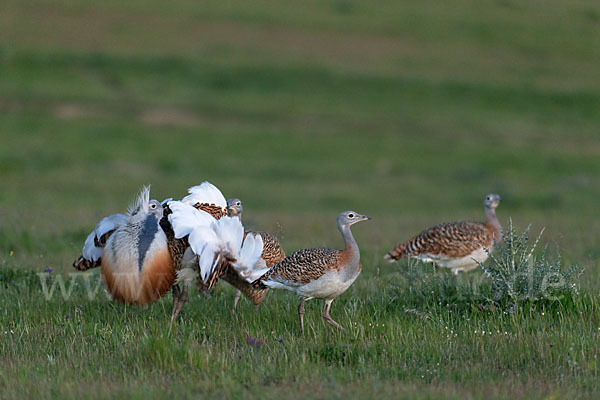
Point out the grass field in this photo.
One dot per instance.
(409, 113)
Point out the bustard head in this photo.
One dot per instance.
(350, 217)
(491, 201)
(155, 208)
(234, 207)
(144, 206)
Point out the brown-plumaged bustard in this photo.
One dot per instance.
(458, 246)
(156, 246)
(272, 254)
(319, 273)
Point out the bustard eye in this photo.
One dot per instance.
(238, 204)
(153, 206)
(350, 215)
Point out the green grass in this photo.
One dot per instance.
(409, 113)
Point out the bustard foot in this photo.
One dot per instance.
(301, 315)
(236, 298)
(180, 297)
(328, 318)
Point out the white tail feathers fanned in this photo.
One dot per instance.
(249, 263)
(90, 250)
(185, 219)
(205, 193)
(214, 240)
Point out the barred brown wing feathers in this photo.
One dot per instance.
(101, 241)
(81, 264)
(176, 246)
(456, 239)
(305, 265)
(272, 251)
(214, 210)
(453, 239)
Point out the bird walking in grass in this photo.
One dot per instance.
(271, 255)
(319, 273)
(459, 246)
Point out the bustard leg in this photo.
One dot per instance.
(327, 317)
(301, 315)
(455, 273)
(175, 293)
(236, 298)
(180, 297)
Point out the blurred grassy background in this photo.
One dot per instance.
(407, 111)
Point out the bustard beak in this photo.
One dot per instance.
(364, 218)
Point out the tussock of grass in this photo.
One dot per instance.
(519, 274)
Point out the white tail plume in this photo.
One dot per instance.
(249, 263)
(213, 240)
(223, 239)
(207, 193)
(90, 251)
(185, 219)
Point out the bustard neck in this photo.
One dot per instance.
(349, 242)
(492, 221)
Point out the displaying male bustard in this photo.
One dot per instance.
(155, 246)
(271, 255)
(319, 273)
(133, 252)
(459, 246)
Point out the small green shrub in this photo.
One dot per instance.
(517, 274)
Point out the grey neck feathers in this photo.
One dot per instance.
(492, 222)
(350, 243)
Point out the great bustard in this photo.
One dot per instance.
(271, 255)
(209, 245)
(151, 249)
(319, 273)
(459, 246)
(133, 252)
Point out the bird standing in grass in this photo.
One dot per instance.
(459, 246)
(319, 273)
(208, 244)
(271, 255)
(133, 252)
(156, 246)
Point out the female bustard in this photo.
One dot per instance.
(319, 273)
(271, 255)
(459, 246)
